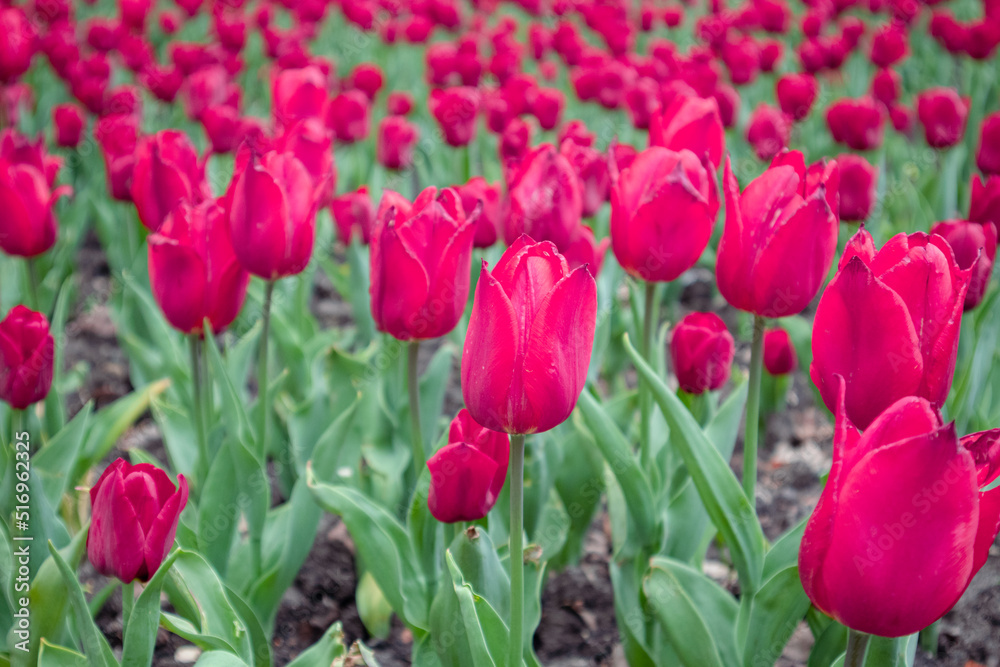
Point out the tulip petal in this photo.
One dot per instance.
(178, 280)
(160, 538)
(115, 541)
(257, 221)
(461, 483)
(449, 287)
(989, 525)
(985, 449)
(399, 283)
(731, 271)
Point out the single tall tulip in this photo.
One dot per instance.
(545, 198)
(421, 256)
(888, 324)
(701, 350)
(690, 122)
(529, 341)
(166, 172)
(67, 119)
(26, 356)
(134, 509)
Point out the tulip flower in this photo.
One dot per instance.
(397, 137)
(67, 119)
(729, 104)
(166, 172)
(399, 103)
(545, 198)
(312, 144)
(769, 131)
(856, 123)
(591, 167)
(586, 250)
(271, 211)
(548, 106)
(701, 351)
(354, 213)
(985, 205)
(134, 510)
(902, 118)
(888, 323)
(298, 94)
(529, 340)
(779, 353)
(515, 142)
(943, 114)
(887, 553)
(348, 116)
(858, 187)
(193, 269)
(368, 78)
(118, 136)
(988, 155)
(889, 45)
(477, 192)
(690, 122)
(663, 209)
(887, 85)
(17, 44)
(28, 226)
(468, 473)
(796, 94)
(27, 352)
(975, 247)
(456, 111)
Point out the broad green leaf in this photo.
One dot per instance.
(219, 624)
(220, 659)
(260, 647)
(487, 634)
(322, 654)
(51, 655)
(775, 611)
(95, 646)
(630, 614)
(48, 598)
(140, 632)
(373, 608)
(219, 511)
(829, 646)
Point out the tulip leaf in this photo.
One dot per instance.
(630, 614)
(384, 547)
(579, 482)
(357, 262)
(433, 386)
(325, 452)
(830, 645)
(55, 409)
(52, 655)
(774, 612)
(95, 646)
(322, 654)
(141, 626)
(374, 610)
(260, 648)
(234, 414)
(698, 616)
(720, 492)
(424, 529)
(619, 456)
(48, 598)
(219, 659)
(487, 634)
(219, 511)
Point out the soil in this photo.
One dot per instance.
(578, 626)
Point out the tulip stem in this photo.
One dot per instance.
(33, 283)
(516, 472)
(128, 602)
(645, 398)
(753, 411)
(199, 415)
(413, 384)
(857, 647)
(262, 373)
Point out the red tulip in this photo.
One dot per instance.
(545, 198)
(943, 114)
(208, 87)
(547, 107)
(348, 116)
(16, 149)
(118, 136)
(692, 123)
(771, 52)
(769, 131)
(68, 122)
(421, 256)
(663, 209)
(368, 78)
(477, 192)
(399, 103)
(397, 138)
(779, 353)
(889, 45)
(468, 473)
(28, 226)
(456, 111)
(26, 357)
(902, 119)
(985, 450)
(312, 144)
(134, 514)
(515, 142)
(742, 59)
(796, 94)
(858, 187)
(988, 156)
(985, 205)
(900, 529)
(886, 87)
(354, 213)
(586, 250)
(975, 247)
(17, 45)
(856, 123)
(888, 323)
(780, 236)
(701, 351)
(271, 207)
(298, 94)
(166, 172)
(591, 167)
(529, 340)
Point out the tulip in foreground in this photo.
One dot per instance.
(134, 511)
(26, 357)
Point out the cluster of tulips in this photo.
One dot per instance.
(543, 179)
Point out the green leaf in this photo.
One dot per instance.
(432, 386)
(259, 646)
(487, 634)
(325, 452)
(829, 645)
(553, 527)
(720, 492)
(234, 414)
(51, 655)
(374, 610)
(322, 654)
(95, 646)
(219, 659)
(775, 611)
(49, 596)
(140, 633)
(219, 511)
(630, 614)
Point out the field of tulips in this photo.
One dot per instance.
(482, 334)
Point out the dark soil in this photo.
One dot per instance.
(578, 625)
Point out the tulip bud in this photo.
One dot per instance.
(856, 123)
(858, 187)
(68, 122)
(988, 156)
(514, 143)
(779, 353)
(591, 168)
(780, 236)
(421, 256)
(889, 553)
(943, 114)
(134, 514)
(468, 473)
(545, 198)
(477, 192)
(690, 122)
(368, 78)
(272, 214)
(348, 116)
(118, 136)
(975, 247)
(397, 138)
(354, 213)
(530, 337)
(888, 322)
(701, 351)
(886, 87)
(796, 94)
(663, 209)
(28, 226)
(769, 131)
(456, 111)
(26, 357)
(547, 107)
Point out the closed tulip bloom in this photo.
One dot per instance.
(988, 156)
(118, 136)
(545, 198)
(16, 149)
(298, 94)
(975, 247)
(547, 107)
(272, 215)
(985, 204)
(796, 94)
(421, 256)
(889, 45)
(663, 209)
(312, 144)
(701, 351)
(530, 337)
(858, 187)
(780, 236)
(515, 142)
(477, 191)
(166, 172)
(68, 122)
(902, 118)
(779, 353)
(456, 110)
(27, 352)
(354, 213)
(399, 103)
(886, 87)
(134, 514)
(856, 123)
(468, 473)
(692, 123)
(348, 116)
(769, 131)
(368, 78)
(900, 528)
(397, 137)
(193, 269)
(28, 226)
(17, 44)
(943, 113)
(888, 323)
(591, 167)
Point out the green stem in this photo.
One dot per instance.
(128, 602)
(467, 150)
(32, 281)
(262, 373)
(857, 646)
(413, 384)
(199, 416)
(645, 395)
(753, 411)
(516, 472)
(929, 637)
